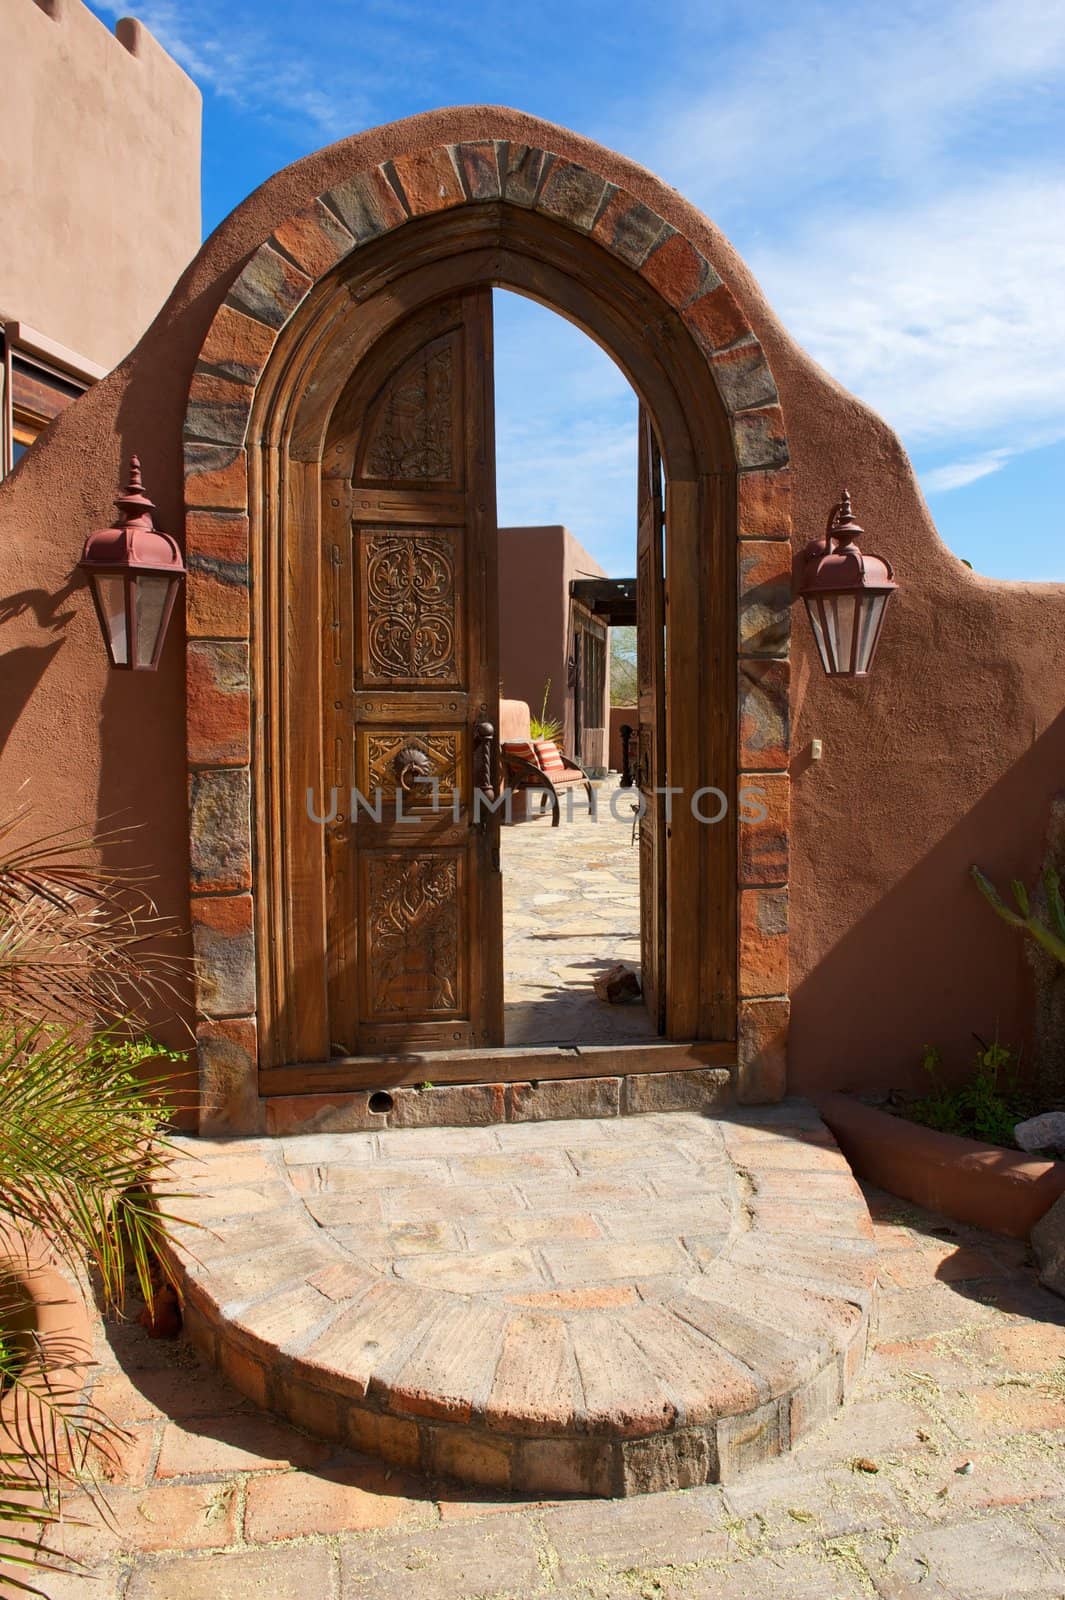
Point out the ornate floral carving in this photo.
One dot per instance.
(413, 934)
(410, 607)
(411, 438)
(441, 752)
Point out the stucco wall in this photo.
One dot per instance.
(533, 608)
(536, 567)
(948, 753)
(100, 182)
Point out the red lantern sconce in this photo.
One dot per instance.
(134, 571)
(846, 594)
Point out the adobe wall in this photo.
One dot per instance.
(948, 753)
(100, 185)
(533, 614)
(536, 567)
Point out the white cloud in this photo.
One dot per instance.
(948, 317)
(258, 67)
(889, 174)
(877, 91)
(959, 474)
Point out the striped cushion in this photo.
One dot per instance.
(522, 748)
(550, 755)
(551, 760)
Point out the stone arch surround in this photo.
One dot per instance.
(303, 251)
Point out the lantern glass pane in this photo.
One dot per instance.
(111, 600)
(846, 609)
(872, 606)
(149, 600)
(813, 610)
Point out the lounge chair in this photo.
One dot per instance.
(540, 764)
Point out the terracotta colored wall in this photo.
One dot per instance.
(536, 566)
(949, 753)
(533, 608)
(100, 182)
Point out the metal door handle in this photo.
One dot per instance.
(484, 735)
(411, 765)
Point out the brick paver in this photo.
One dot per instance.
(814, 1524)
(453, 1303)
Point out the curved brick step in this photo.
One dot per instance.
(594, 1307)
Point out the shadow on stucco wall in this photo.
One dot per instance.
(866, 1026)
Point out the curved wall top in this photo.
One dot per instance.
(948, 753)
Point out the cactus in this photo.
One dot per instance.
(1050, 933)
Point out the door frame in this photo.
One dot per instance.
(714, 450)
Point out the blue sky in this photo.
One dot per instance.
(892, 173)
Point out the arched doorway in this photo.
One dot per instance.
(311, 410)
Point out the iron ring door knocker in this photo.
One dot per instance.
(412, 768)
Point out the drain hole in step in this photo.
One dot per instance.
(381, 1102)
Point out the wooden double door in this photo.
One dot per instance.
(410, 695)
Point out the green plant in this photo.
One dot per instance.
(47, 1442)
(78, 941)
(1049, 934)
(986, 1107)
(623, 685)
(81, 1152)
(80, 1158)
(543, 726)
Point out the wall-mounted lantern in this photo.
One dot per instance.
(134, 570)
(846, 594)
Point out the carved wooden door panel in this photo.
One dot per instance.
(411, 689)
(651, 757)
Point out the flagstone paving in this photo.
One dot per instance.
(571, 909)
(960, 1411)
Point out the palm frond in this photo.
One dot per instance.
(78, 940)
(81, 1156)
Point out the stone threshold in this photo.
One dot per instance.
(529, 1099)
(496, 1064)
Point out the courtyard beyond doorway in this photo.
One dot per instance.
(571, 910)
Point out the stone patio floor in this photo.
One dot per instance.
(571, 908)
(214, 1501)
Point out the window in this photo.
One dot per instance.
(25, 427)
(34, 391)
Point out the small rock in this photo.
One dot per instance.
(965, 1470)
(1042, 1133)
(1048, 1246)
(618, 985)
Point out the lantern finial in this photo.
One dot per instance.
(133, 502)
